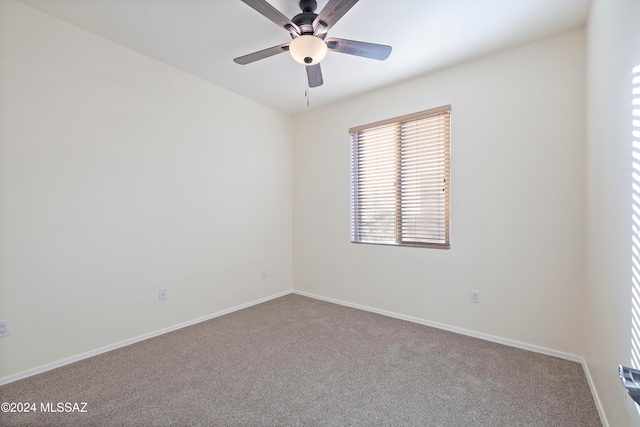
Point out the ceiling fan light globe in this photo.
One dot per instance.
(308, 50)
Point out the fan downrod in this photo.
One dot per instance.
(308, 6)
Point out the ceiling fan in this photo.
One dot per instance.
(308, 31)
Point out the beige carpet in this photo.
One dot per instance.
(299, 361)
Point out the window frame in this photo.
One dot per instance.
(402, 207)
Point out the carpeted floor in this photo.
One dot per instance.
(304, 362)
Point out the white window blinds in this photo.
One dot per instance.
(400, 180)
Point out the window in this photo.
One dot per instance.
(400, 180)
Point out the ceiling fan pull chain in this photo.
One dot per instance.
(307, 90)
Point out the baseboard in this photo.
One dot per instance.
(511, 343)
(49, 366)
(594, 393)
(66, 361)
(486, 337)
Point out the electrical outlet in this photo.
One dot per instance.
(264, 274)
(4, 328)
(162, 294)
(475, 297)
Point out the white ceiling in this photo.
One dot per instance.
(202, 37)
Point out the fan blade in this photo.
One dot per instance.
(352, 47)
(314, 75)
(261, 54)
(271, 13)
(331, 13)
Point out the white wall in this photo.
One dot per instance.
(120, 175)
(517, 188)
(613, 40)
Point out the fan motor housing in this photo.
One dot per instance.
(304, 21)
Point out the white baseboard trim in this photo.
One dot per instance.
(68, 360)
(486, 337)
(594, 393)
(474, 334)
